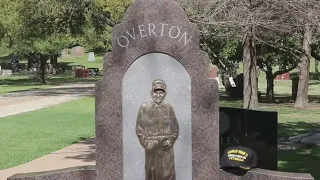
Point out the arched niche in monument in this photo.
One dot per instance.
(136, 90)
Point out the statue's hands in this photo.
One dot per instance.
(167, 145)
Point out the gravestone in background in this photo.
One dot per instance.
(77, 51)
(214, 74)
(6, 72)
(91, 56)
(65, 52)
(284, 76)
(15, 63)
(257, 130)
(155, 40)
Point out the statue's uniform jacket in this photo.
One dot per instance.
(156, 124)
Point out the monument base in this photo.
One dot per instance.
(262, 174)
(89, 173)
(74, 173)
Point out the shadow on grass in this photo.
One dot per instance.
(88, 155)
(296, 128)
(287, 98)
(58, 91)
(19, 81)
(66, 65)
(301, 161)
(53, 80)
(314, 83)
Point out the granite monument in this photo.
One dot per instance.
(257, 130)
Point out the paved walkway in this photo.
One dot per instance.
(80, 154)
(25, 101)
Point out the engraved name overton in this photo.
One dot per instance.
(150, 29)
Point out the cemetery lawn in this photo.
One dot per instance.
(69, 61)
(292, 122)
(19, 83)
(30, 135)
(24, 81)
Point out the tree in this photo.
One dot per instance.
(247, 20)
(47, 27)
(315, 53)
(101, 16)
(9, 21)
(223, 53)
(257, 20)
(270, 57)
(306, 23)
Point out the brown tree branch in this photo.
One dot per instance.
(282, 48)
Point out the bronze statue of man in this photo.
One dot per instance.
(157, 129)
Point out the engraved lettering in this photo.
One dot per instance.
(184, 35)
(152, 30)
(125, 38)
(133, 35)
(171, 32)
(230, 140)
(141, 31)
(162, 27)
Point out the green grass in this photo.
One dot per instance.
(26, 82)
(284, 87)
(301, 161)
(27, 136)
(73, 61)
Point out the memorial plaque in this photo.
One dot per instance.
(137, 88)
(254, 129)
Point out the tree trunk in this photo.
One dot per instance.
(30, 60)
(316, 65)
(43, 61)
(270, 87)
(54, 64)
(250, 80)
(302, 94)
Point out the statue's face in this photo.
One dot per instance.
(158, 96)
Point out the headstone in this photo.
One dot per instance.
(91, 56)
(214, 74)
(6, 72)
(155, 56)
(236, 65)
(15, 63)
(78, 51)
(256, 130)
(282, 77)
(93, 71)
(65, 52)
